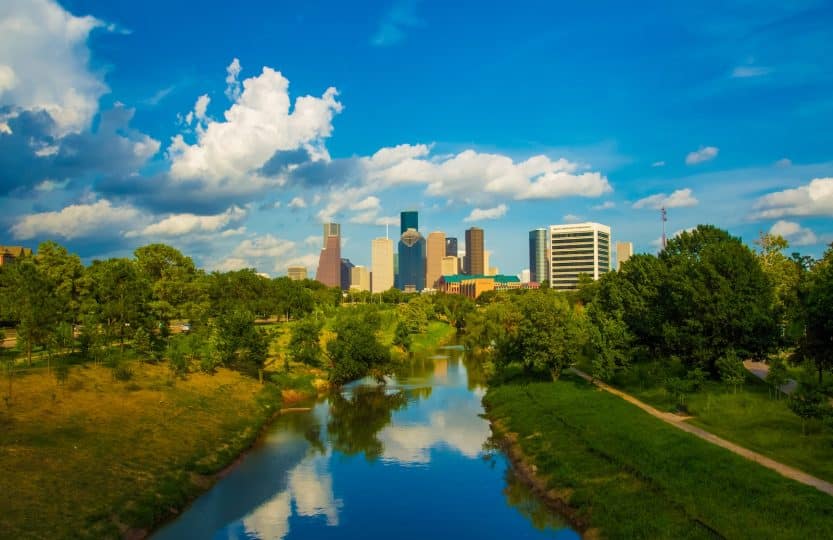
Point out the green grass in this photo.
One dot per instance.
(632, 476)
(436, 334)
(750, 417)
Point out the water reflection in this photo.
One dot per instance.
(422, 468)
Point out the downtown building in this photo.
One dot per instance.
(329, 261)
(474, 262)
(624, 251)
(435, 250)
(381, 265)
(296, 273)
(538, 260)
(410, 274)
(579, 248)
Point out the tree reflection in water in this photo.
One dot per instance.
(355, 422)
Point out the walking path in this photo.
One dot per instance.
(679, 422)
(761, 370)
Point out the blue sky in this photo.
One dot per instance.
(232, 130)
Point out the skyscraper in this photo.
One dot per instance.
(450, 246)
(579, 248)
(538, 255)
(624, 251)
(450, 266)
(359, 279)
(346, 274)
(435, 251)
(296, 273)
(329, 262)
(474, 262)
(381, 264)
(409, 219)
(411, 261)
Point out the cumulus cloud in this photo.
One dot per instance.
(267, 253)
(201, 106)
(183, 224)
(262, 121)
(702, 155)
(794, 233)
(480, 214)
(572, 218)
(814, 199)
(368, 203)
(77, 220)
(679, 199)
(297, 202)
(44, 63)
(232, 82)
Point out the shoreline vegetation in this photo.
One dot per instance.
(624, 474)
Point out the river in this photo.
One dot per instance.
(410, 459)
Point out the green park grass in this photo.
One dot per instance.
(751, 416)
(629, 475)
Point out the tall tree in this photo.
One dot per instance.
(179, 290)
(816, 344)
(122, 297)
(28, 298)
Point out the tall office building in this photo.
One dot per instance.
(411, 261)
(346, 274)
(538, 261)
(624, 251)
(578, 248)
(450, 266)
(435, 251)
(381, 264)
(329, 262)
(450, 247)
(474, 262)
(296, 273)
(409, 219)
(359, 279)
(487, 256)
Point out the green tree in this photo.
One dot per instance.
(816, 343)
(142, 344)
(178, 289)
(304, 341)
(356, 351)
(240, 345)
(64, 274)
(731, 370)
(122, 297)
(27, 297)
(808, 402)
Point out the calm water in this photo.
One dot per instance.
(407, 460)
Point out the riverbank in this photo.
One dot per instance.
(628, 475)
(97, 458)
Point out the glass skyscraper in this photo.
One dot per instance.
(538, 255)
(409, 219)
(451, 247)
(411, 275)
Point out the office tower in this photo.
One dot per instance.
(538, 260)
(411, 261)
(359, 278)
(486, 256)
(624, 251)
(578, 248)
(329, 262)
(451, 247)
(345, 274)
(435, 251)
(474, 263)
(451, 266)
(381, 264)
(296, 273)
(409, 219)
(524, 276)
(331, 229)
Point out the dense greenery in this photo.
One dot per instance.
(632, 476)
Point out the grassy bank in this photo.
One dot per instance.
(629, 475)
(750, 417)
(94, 457)
(436, 334)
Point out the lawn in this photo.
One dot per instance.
(750, 417)
(632, 476)
(93, 457)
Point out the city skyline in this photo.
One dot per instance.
(134, 129)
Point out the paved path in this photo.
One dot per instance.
(679, 422)
(761, 370)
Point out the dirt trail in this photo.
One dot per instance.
(680, 423)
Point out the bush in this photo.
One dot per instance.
(731, 369)
(122, 372)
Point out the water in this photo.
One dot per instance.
(407, 460)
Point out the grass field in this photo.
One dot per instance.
(750, 417)
(631, 476)
(94, 457)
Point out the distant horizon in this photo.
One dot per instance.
(132, 129)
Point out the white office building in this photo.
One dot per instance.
(578, 248)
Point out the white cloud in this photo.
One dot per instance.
(51, 185)
(794, 233)
(368, 203)
(679, 199)
(77, 220)
(182, 224)
(312, 240)
(572, 218)
(201, 106)
(268, 253)
(479, 214)
(297, 202)
(387, 220)
(783, 162)
(607, 205)
(702, 155)
(262, 121)
(658, 164)
(44, 62)
(744, 72)
(814, 199)
(232, 82)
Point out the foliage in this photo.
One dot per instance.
(355, 351)
(239, 344)
(731, 370)
(807, 402)
(815, 346)
(777, 375)
(402, 336)
(304, 345)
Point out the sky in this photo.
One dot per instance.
(233, 130)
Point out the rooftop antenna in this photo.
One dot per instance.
(664, 214)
